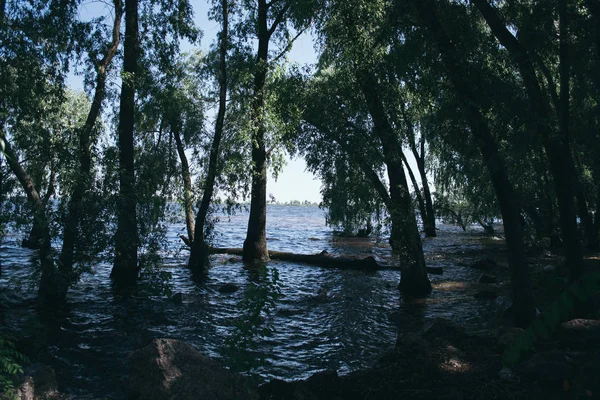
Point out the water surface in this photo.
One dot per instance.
(287, 322)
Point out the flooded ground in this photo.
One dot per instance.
(288, 322)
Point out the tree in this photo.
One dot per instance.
(125, 268)
(86, 141)
(199, 247)
(268, 21)
(523, 304)
(555, 139)
(361, 59)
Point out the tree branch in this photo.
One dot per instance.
(288, 47)
(278, 19)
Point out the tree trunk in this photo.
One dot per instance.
(51, 288)
(125, 269)
(420, 200)
(522, 296)
(199, 254)
(405, 234)
(585, 216)
(255, 245)
(2, 12)
(597, 218)
(84, 179)
(2, 221)
(556, 143)
(35, 239)
(429, 222)
(487, 228)
(430, 230)
(188, 199)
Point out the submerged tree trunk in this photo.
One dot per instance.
(405, 234)
(555, 143)
(84, 180)
(199, 254)
(51, 285)
(255, 245)
(522, 295)
(125, 269)
(487, 228)
(36, 234)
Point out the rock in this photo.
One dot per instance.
(38, 383)
(321, 385)
(171, 369)
(485, 264)
(506, 374)
(320, 297)
(583, 334)
(435, 270)
(442, 328)
(229, 288)
(177, 298)
(26, 390)
(323, 378)
(486, 295)
(485, 278)
(588, 377)
(410, 341)
(548, 367)
(548, 269)
(509, 335)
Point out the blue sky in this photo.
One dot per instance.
(293, 182)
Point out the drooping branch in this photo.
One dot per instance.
(360, 160)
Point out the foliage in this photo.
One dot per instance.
(579, 292)
(11, 364)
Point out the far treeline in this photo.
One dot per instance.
(498, 101)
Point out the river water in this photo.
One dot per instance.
(288, 322)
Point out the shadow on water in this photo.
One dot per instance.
(285, 321)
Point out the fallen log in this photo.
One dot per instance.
(325, 259)
(322, 259)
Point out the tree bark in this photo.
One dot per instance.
(405, 234)
(2, 12)
(522, 296)
(413, 180)
(188, 200)
(125, 269)
(84, 179)
(429, 218)
(35, 238)
(255, 245)
(199, 254)
(51, 284)
(430, 222)
(556, 143)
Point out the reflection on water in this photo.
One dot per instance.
(287, 321)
